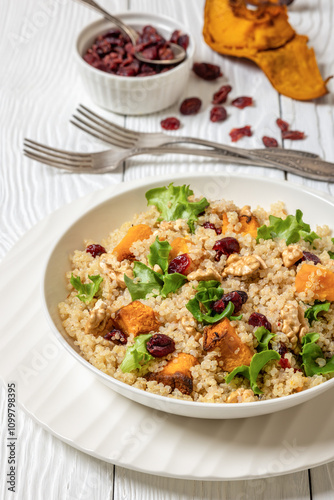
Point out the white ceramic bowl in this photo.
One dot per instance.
(99, 221)
(131, 95)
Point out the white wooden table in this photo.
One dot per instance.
(40, 89)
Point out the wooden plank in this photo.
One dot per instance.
(136, 486)
(323, 482)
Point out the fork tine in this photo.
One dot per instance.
(54, 163)
(103, 133)
(128, 134)
(60, 153)
(49, 155)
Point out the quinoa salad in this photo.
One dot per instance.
(205, 301)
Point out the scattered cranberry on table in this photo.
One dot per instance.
(116, 336)
(207, 71)
(226, 246)
(242, 102)
(220, 96)
(114, 53)
(209, 225)
(269, 142)
(180, 264)
(170, 123)
(282, 124)
(95, 250)
(238, 133)
(190, 106)
(293, 135)
(160, 345)
(258, 319)
(218, 114)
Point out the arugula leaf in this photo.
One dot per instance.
(149, 281)
(259, 360)
(263, 336)
(310, 353)
(312, 312)
(172, 282)
(172, 203)
(159, 252)
(137, 355)
(87, 291)
(205, 297)
(292, 229)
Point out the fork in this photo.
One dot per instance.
(119, 136)
(107, 161)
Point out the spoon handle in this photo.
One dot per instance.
(132, 34)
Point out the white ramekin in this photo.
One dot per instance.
(131, 95)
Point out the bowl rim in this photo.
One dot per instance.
(82, 34)
(227, 408)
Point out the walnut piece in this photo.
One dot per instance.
(190, 329)
(118, 273)
(291, 254)
(98, 319)
(246, 211)
(294, 324)
(204, 275)
(241, 396)
(243, 266)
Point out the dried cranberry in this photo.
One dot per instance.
(243, 295)
(235, 297)
(95, 250)
(209, 225)
(150, 52)
(218, 114)
(166, 53)
(207, 71)
(242, 102)
(160, 345)
(127, 70)
(91, 58)
(284, 363)
(226, 246)
(221, 95)
(284, 126)
(282, 349)
(170, 123)
(180, 264)
(293, 135)
(238, 133)
(269, 142)
(257, 319)
(183, 41)
(309, 256)
(190, 106)
(175, 36)
(116, 336)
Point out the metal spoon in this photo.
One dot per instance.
(179, 52)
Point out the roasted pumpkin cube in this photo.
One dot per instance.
(177, 373)
(249, 223)
(136, 318)
(223, 337)
(318, 279)
(179, 246)
(135, 233)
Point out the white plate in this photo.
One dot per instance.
(71, 403)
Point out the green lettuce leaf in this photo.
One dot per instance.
(331, 254)
(172, 203)
(172, 282)
(310, 353)
(87, 291)
(204, 298)
(292, 229)
(259, 360)
(137, 355)
(312, 312)
(263, 336)
(159, 252)
(149, 281)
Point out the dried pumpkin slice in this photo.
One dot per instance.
(265, 36)
(293, 70)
